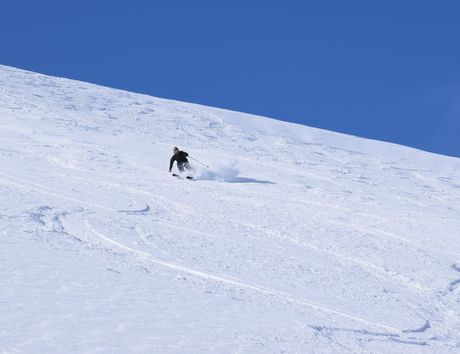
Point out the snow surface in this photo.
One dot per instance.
(294, 240)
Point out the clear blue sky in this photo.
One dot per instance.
(387, 70)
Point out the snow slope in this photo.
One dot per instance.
(295, 240)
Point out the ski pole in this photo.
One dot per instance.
(198, 161)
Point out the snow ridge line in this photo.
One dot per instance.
(257, 288)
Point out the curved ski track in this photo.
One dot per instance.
(282, 296)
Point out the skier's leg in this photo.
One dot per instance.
(180, 166)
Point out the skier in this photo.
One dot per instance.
(181, 158)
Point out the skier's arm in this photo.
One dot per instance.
(171, 162)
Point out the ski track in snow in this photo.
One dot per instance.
(230, 282)
(45, 190)
(269, 292)
(333, 243)
(375, 270)
(28, 185)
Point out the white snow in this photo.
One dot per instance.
(294, 240)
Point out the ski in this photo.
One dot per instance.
(179, 176)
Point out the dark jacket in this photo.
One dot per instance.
(181, 156)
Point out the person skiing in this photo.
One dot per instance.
(181, 158)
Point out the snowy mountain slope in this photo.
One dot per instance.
(295, 240)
